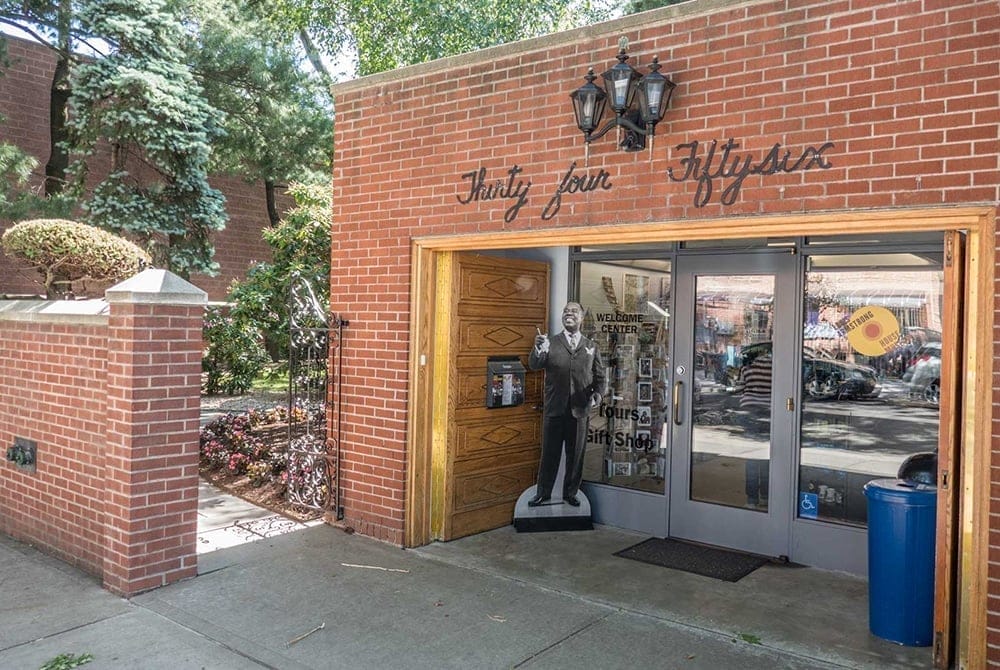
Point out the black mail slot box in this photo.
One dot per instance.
(504, 381)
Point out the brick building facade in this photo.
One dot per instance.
(889, 112)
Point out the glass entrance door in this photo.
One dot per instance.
(733, 404)
(752, 395)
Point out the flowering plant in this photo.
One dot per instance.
(238, 444)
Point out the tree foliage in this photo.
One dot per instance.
(234, 353)
(388, 36)
(52, 23)
(18, 200)
(384, 36)
(15, 171)
(277, 120)
(636, 6)
(143, 101)
(177, 88)
(300, 246)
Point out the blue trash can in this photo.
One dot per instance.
(901, 517)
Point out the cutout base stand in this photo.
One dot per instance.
(553, 515)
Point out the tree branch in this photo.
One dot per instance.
(312, 53)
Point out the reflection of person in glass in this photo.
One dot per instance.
(755, 395)
(755, 403)
(574, 382)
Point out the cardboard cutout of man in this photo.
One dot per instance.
(574, 382)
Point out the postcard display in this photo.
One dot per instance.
(629, 320)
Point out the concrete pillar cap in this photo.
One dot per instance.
(156, 287)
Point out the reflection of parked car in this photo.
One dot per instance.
(824, 376)
(923, 374)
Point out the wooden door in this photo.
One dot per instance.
(484, 458)
(949, 449)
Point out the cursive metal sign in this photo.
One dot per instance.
(710, 165)
(725, 163)
(479, 189)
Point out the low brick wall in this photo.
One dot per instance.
(109, 392)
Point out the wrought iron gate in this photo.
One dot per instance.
(314, 363)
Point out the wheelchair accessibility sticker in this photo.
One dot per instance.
(808, 505)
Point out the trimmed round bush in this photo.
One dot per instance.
(66, 251)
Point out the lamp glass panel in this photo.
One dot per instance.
(654, 96)
(654, 93)
(620, 82)
(621, 92)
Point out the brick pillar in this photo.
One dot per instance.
(154, 400)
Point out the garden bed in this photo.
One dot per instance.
(245, 455)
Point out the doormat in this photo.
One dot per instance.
(729, 566)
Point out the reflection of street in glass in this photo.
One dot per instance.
(844, 443)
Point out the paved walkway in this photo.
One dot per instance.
(277, 594)
(227, 521)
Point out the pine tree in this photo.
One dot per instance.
(143, 102)
(278, 118)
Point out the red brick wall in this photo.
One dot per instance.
(154, 383)
(24, 101)
(55, 393)
(112, 402)
(907, 92)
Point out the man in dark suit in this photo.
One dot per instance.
(574, 382)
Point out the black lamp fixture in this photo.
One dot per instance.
(623, 85)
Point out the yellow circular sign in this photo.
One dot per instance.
(872, 331)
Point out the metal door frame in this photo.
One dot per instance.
(765, 533)
(632, 508)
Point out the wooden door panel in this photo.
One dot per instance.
(482, 283)
(478, 439)
(483, 519)
(492, 454)
(489, 488)
(498, 460)
(490, 336)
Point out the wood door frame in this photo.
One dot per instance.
(949, 442)
(975, 366)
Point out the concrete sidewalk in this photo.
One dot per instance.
(316, 597)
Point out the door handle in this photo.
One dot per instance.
(677, 402)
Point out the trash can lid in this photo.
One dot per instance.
(899, 491)
(919, 469)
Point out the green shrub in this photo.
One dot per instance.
(300, 246)
(255, 330)
(234, 353)
(67, 251)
